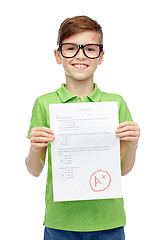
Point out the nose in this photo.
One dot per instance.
(80, 54)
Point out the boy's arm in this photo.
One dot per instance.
(35, 161)
(39, 138)
(129, 133)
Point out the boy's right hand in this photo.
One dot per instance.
(40, 136)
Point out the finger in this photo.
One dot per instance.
(41, 134)
(41, 139)
(44, 129)
(123, 124)
(128, 133)
(39, 145)
(128, 128)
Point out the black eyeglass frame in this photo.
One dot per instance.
(81, 47)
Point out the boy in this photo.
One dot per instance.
(80, 52)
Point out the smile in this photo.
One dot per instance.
(80, 66)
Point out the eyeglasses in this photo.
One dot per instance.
(70, 50)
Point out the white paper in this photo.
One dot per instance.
(86, 151)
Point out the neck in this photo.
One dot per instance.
(80, 88)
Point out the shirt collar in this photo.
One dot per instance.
(65, 94)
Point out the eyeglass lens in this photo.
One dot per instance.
(91, 50)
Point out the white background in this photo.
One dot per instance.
(132, 67)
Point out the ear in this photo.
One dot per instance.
(57, 56)
(100, 59)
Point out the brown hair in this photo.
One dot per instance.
(78, 24)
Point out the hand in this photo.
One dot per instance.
(40, 136)
(128, 131)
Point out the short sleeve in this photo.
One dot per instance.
(124, 113)
(38, 118)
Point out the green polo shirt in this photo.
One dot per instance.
(87, 215)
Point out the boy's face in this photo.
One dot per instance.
(80, 67)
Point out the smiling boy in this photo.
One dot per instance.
(79, 70)
(80, 51)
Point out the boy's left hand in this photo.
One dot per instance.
(128, 131)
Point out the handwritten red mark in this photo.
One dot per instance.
(97, 181)
(103, 176)
(100, 181)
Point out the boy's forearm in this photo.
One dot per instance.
(128, 159)
(34, 162)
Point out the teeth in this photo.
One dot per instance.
(80, 66)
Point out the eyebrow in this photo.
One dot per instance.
(80, 44)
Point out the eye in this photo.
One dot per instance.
(71, 49)
(90, 49)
